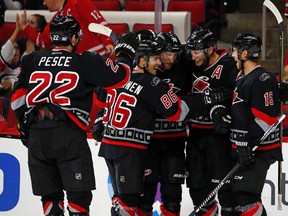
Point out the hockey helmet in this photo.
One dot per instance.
(62, 29)
(201, 39)
(147, 48)
(250, 42)
(145, 34)
(168, 41)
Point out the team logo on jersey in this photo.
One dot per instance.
(155, 81)
(200, 84)
(264, 77)
(236, 99)
(171, 85)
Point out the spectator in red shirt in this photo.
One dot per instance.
(85, 13)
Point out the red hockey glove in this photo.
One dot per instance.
(221, 119)
(127, 44)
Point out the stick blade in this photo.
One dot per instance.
(99, 29)
(274, 10)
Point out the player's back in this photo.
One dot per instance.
(55, 77)
(68, 80)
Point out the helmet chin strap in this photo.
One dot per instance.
(74, 48)
(242, 62)
(144, 68)
(207, 57)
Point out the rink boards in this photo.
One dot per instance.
(16, 196)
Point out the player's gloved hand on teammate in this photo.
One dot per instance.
(217, 96)
(23, 134)
(98, 129)
(283, 91)
(245, 155)
(127, 44)
(221, 119)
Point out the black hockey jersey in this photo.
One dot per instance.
(223, 73)
(179, 80)
(131, 111)
(255, 108)
(66, 80)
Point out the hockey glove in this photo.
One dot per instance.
(221, 119)
(127, 44)
(23, 135)
(245, 155)
(283, 91)
(217, 96)
(98, 129)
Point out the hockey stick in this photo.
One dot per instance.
(236, 167)
(276, 13)
(100, 29)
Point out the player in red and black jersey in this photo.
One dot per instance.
(166, 157)
(255, 107)
(208, 148)
(130, 120)
(53, 100)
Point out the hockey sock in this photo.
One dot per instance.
(53, 203)
(79, 201)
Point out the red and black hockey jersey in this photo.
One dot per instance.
(66, 80)
(222, 73)
(255, 108)
(179, 80)
(131, 112)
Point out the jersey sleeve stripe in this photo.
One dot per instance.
(264, 117)
(126, 79)
(18, 98)
(178, 114)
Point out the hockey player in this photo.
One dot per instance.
(166, 157)
(53, 103)
(255, 107)
(85, 13)
(130, 119)
(208, 148)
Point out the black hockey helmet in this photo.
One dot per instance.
(145, 34)
(147, 48)
(250, 42)
(168, 41)
(62, 29)
(201, 39)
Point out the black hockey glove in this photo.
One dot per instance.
(283, 91)
(221, 119)
(98, 129)
(23, 135)
(245, 155)
(217, 96)
(127, 44)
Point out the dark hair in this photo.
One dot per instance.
(41, 22)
